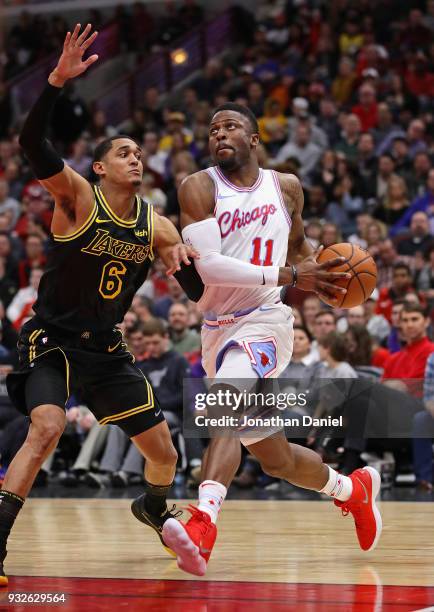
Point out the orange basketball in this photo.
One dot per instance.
(362, 268)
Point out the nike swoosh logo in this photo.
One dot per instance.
(103, 220)
(365, 501)
(265, 309)
(158, 413)
(204, 550)
(223, 197)
(112, 348)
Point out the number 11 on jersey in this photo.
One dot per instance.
(257, 248)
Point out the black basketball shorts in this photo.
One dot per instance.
(100, 365)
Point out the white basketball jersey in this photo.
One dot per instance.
(254, 226)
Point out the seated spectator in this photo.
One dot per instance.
(142, 307)
(161, 306)
(366, 165)
(80, 160)
(419, 176)
(346, 206)
(423, 203)
(386, 259)
(324, 324)
(416, 137)
(361, 352)
(8, 287)
(175, 124)
(326, 174)
(386, 129)
(137, 343)
(402, 283)
(35, 258)
(344, 82)
(376, 324)
(395, 202)
(8, 204)
(155, 158)
(303, 149)
(408, 364)
(330, 235)
(310, 308)
(423, 432)
(386, 171)
(376, 232)
(350, 136)
(301, 360)
(367, 108)
(37, 214)
(9, 257)
(273, 116)
(22, 304)
(316, 202)
(301, 116)
(359, 237)
(425, 279)
(151, 193)
(183, 340)
(419, 239)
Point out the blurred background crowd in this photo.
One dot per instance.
(343, 92)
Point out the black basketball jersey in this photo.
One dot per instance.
(92, 275)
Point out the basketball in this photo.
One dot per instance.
(360, 264)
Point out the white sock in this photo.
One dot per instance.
(338, 486)
(211, 497)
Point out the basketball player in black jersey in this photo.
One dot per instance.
(103, 241)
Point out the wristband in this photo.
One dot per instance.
(270, 275)
(294, 276)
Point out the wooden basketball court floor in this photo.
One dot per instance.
(270, 555)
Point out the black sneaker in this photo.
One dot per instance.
(156, 522)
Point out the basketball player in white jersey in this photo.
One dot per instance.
(246, 223)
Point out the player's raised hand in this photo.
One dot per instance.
(71, 64)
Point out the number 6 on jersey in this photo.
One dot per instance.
(111, 281)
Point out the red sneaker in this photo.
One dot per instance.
(367, 517)
(191, 542)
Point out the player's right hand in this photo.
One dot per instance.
(71, 62)
(312, 276)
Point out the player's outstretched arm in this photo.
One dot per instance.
(310, 275)
(72, 193)
(169, 245)
(201, 231)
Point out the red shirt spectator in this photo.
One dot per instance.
(408, 364)
(37, 216)
(35, 258)
(380, 357)
(367, 110)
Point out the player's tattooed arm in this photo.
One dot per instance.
(310, 276)
(292, 191)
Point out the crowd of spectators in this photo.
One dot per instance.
(343, 92)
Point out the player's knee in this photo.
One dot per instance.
(45, 434)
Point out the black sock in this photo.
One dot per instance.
(10, 505)
(155, 497)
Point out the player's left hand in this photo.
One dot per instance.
(180, 252)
